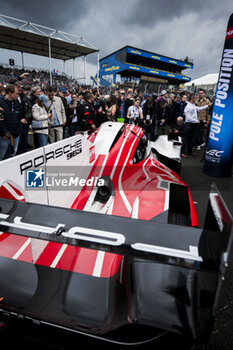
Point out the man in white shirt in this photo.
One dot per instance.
(191, 125)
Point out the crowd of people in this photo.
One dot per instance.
(56, 113)
(34, 77)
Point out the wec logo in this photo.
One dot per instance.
(214, 153)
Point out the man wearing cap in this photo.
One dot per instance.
(56, 107)
(146, 97)
(164, 94)
(62, 94)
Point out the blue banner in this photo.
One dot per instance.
(218, 155)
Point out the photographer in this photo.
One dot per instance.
(134, 114)
(73, 115)
(10, 122)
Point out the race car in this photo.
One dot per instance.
(99, 232)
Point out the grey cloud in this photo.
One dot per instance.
(151, 12)
(55, 14)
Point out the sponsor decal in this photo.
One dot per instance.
(70, 150)
(136, 52)
(91, 154)
(213, 155)
(110, 69)
(229, 33)
(133, 67)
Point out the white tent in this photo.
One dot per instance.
(207, 82)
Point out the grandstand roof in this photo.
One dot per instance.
(23, 36)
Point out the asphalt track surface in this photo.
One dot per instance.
(29, 336)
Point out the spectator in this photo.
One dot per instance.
(149, 114)
(164, 117)
(39, 113)
(180, 106)
(102, 111)
(62, 94)
(73, 115)
(129, 101)
(80, 98)
(1, 90)
(134, 114)
(164, 95)
(97, 106)
(122, 106)
(146, 97)
(35, 93)
(56, 107)
(114, 111)
(10, 122)
(88, 114)
(180, 127)
(107, 101)
(203, 118)
(26, 114)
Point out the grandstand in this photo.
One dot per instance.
(26, 37)
(35, 77)
(130, 64)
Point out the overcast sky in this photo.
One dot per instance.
(169, 27)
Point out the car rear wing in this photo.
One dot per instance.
(206, 248)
